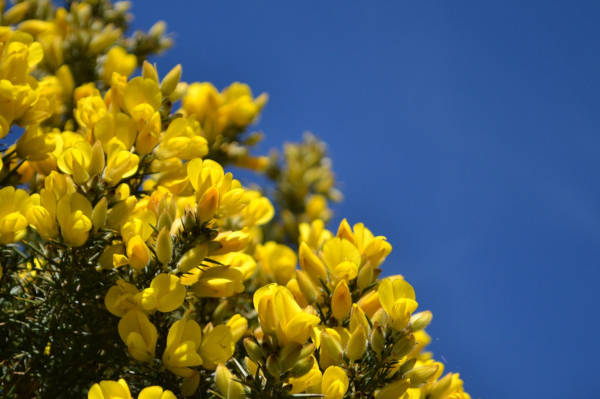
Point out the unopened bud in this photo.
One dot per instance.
(99, 214)
(253, 350)
(358, 319)
(164, 246)
(208, 205)
(149, 71)
(302, 366)
(289, 355)
(357, 344)
(158, 29)
(97, 161)
(178, 92)
(332, 348)
(378, 340)
(307, 350)
(420, 320)
(192, 258)
(220, 312)
(189, 385)
(16, 13)
(273, 366)
(238, 326)
(307, 287)
(170, 81)
(341, 301)
(394, 390)
(164, 221)
(421, 375)
(311, 264)
(403, 346)
(380, 318)
(406, 366)
(438, 389)
(366, 276)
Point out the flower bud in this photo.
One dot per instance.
(16, 13)
(357, 344)
(421, 375)
(403, 346)
(378, 340)
(438, 389)
(192, 258)
(254, 351)
(273, 366)
(302, 366)
(289, 355)
(358, 319)
(393, 390)
(420, 320)
(226, 385)
(331, 347)
(164, 246)
(311, 264)
(341, 301)
(307, 287)
(149, 71)
(238, 325)
(97, 162)
(170, 81)
(99, 214)
(138, 254)
(208, 205)
(366, 276)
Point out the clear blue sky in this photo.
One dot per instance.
(467, 133)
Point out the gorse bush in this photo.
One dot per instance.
(132, 263)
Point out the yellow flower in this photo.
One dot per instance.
(279, 314)
(74, 215)
(201, 100)
(164, 294)
(34, 144)
(341, 258)
(226, 385)
(217, 346)
(182, 140)
(139, 334)
(258, 212)
(75, 161)
(121, 298)
(334, 383)
(183, 344)
(373, 249)
(398, 300)
(90, 109)
(277, 262)
(341, 302)
(218, 282)
(121, 164)
(156, 392)
(117, 60)
(110, 390)
(309, 382)
(139, 92)
(138, 254)
(13, 205)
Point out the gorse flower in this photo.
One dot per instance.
(129, 249)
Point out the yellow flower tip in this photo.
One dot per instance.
(156, 392)
(110, 390)
(334, 383)
(341, 301)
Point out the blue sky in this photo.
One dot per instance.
(467, 133)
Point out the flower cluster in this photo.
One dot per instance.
(130, 258)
